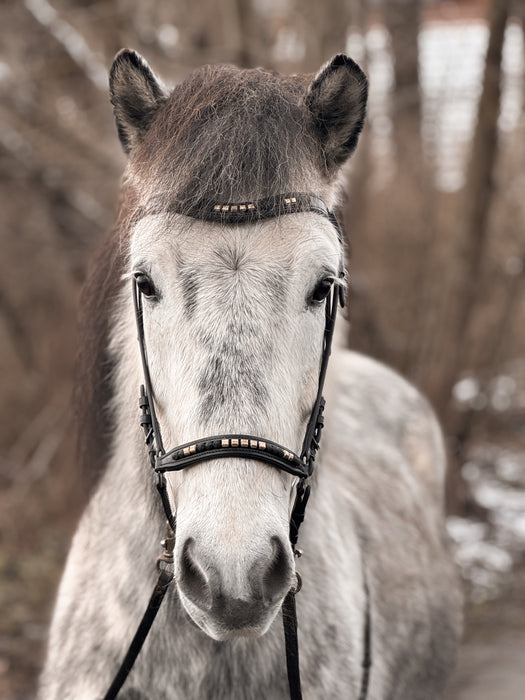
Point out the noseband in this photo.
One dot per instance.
(236, 445)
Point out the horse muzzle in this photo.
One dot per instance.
(236, 599)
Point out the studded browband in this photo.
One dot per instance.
(246, 212)
(268, 208)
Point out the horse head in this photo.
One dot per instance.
(233, 312)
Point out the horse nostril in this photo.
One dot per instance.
(276, 580)
(192, 579)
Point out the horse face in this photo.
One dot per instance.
(234, 315)
(234, 320)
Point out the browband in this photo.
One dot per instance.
(268, 208)
(248, 212)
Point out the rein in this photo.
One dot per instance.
(240, 446)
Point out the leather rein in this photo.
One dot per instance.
(240, 446)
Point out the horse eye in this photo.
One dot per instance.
(145, 285)
(322, 290)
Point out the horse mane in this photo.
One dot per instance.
(230, 135)
(94, 387)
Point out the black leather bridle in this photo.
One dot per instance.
(239, 445)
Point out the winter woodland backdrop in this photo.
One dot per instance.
(435, 215)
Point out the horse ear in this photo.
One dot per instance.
(136, 94)
(337, 102)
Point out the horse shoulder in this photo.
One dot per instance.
(385, 455)
(376, 407)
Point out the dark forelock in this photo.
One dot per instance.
(229, 135)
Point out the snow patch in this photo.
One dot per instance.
(487, 551)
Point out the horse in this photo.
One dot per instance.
(231, 299)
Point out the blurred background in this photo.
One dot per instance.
(435, 215)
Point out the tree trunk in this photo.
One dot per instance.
(469, 246)
(467, 257)
(402, 18)
(413, 207)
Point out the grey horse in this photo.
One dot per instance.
(234, 319)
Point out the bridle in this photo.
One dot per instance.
(240, 445)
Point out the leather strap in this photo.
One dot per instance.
(237, 446)
(292, 645)
(245, 212)
(366, 663)
(163, 581)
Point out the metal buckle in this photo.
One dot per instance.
(165, 560)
